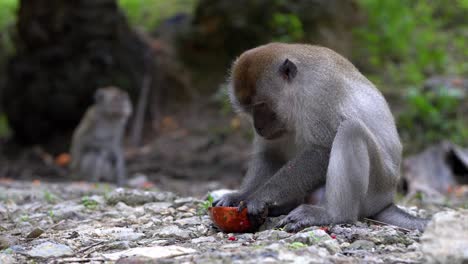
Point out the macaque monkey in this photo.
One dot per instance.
(96, 148)
(318, 122)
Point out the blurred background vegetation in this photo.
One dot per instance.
(416, 51)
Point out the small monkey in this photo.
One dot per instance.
(96, 147)
(318, 122)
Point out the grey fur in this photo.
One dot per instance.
(96, 148)
(341, 133)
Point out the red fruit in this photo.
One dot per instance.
(324, 228)
(232, 238)
(333, 236)
(230, 220)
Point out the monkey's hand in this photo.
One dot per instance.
(257, 210)
(231, 199)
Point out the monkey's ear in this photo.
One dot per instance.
(288, 70)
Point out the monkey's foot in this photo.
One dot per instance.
(304, 216)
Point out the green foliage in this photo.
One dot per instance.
(7, 13)
(5, 130)
(297, 245)
(221, 97)
(51, 214)
(433, 116)
(149, 13)
(288, 27)
(49, 197)
(203, 207)
(403, 39)
(7, 20)
(89, 203)
(24, 218)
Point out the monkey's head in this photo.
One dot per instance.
(259, 78)
(113, 102)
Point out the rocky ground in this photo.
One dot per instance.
(82, 223)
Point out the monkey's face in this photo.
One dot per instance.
(113, 102)
(259, 79)
(266, 121)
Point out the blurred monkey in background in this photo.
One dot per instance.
(96, 148)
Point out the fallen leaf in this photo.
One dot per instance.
(63, 159)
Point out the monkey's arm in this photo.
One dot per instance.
(288, 187)
(261, 168)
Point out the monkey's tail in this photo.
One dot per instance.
(395, 216)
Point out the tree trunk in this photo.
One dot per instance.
(65, 50)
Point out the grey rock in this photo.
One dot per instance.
(36, 232)
(119, 245)
(309, 237)
(7, 259)
(245, 237)
(157, 208)
(173, 231)
(118, 233)
(68, 210)
(272, 235)
(189, 221)
(154, 252)
(49, 249)
(5, 242)
(362, 244)
(331, 245)
(446, 238)
(185, 200)
(206, 239)
(138, 197)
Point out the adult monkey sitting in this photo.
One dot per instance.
(318, 122)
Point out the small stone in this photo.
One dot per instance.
(246, 237)
(272, 235)
(173, 231)
(36, 232)
(137, 181)
(362, 244)
(331, 245)
(118, 245)
(7, 259)
(49, 249)
(119, 233)
(4, 242)
(138, 197)
(206, 239)
(185, 200)
(446, 238)
(310, 237)
(190, 221)
(154, 252)
(68, 210)
(157, 208)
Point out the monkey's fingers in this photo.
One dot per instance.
(289, 226)
(242, 206)
(281, 223)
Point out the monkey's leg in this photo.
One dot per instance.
(120, 168)
(291, 184)
(90, 166)
(347, 179)
(262, 167)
